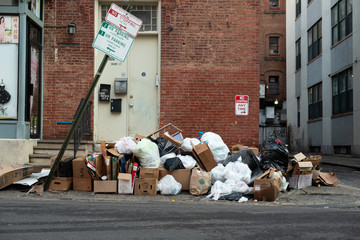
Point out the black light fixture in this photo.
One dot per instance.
(170, 28)
(72, 28)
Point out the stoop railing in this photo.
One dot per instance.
(84, 126)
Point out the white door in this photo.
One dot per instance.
(142, 97)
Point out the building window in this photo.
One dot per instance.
(274, 45)
(315, 101)
(342, 92)
(273, 85)
(274, 4)
(298, 111)
(341, 20)
(298, 54)
(314, 41)
(298, 7)
(147, 13)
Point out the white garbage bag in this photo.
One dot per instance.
(219, 189)
(186, 145)
(238, 172)
(216, 145)
(169, 186)
(125, 145)
(217, 173)
(188, 161)
(148, 153)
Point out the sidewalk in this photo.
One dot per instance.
(344, 161)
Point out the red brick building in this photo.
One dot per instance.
(210, 52)
(273, 69)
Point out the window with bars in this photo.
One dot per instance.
(315, 40)
(274, 45)
(298, 7)
(342, 92)
(273, 85)
(341, 20)
(147, 13)
(298, 53)
(315, 101)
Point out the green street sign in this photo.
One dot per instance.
(113, 42)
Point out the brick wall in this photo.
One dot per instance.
(273, 23)
(211, 55)
(68, 69)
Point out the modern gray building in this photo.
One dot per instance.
(323, 72)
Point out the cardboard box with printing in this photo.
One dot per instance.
(125, 186)
(266, 187)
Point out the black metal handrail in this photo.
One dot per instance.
(84, 126)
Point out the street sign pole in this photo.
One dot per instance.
(78, 117)
(76, 122)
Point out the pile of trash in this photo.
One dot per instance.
(164, 162)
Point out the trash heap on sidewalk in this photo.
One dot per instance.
(167, 163)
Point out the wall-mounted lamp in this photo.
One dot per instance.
(276, 102)
(170, 28)
(72, 28)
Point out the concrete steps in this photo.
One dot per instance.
(46, 149)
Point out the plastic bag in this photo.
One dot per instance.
(217, 173)
(165, 157)
(219, 189)
(200, 182)
(186, 145)
(216, 145)
(188, 161)
(165, 146)
(125, 145)
(169, 186)
(238, 172)
(172, 164)
(273, 153)
(247, 156)
(148, 153)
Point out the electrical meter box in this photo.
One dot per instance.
(120, 85)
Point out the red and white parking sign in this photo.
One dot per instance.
(241, 105)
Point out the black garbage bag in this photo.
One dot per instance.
(165, 146)
(235, 196)
(172, 164)
(248, 157)
(273, 153)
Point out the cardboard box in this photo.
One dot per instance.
(302, 168)
(125, 184)
(265, 188)
(14, 172)
(149, 173)
(300, 181)
(109, 186)
(61, 183)
(82, 181)
(145, 186)
(239, 147)
(82, 184)
(204, 156)
(181, 175)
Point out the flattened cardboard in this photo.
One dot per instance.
(114, 152)
(265, 188)
(124, 184)
(302, 168)
(145, 187)
(181, 175)
(149, 173)
(137, 138)
(13, 173)
(174, 140)
(61, 184)
(204, 156)
(109, 186)
(299, 157)
(107, 159)
(315, 160)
